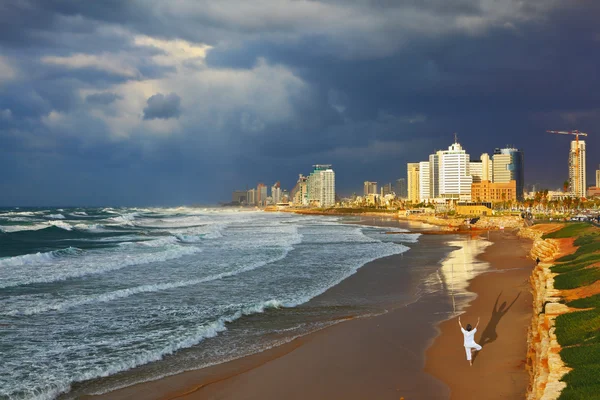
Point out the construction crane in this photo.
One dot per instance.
(577, 134)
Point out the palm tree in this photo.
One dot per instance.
(565, 186)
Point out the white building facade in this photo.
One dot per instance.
(321, 186)
(424, 183)
(455, 179)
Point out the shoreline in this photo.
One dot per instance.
(404, 282)
(261, 375)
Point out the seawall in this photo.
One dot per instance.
(544, 364)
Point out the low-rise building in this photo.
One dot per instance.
(474, 208)
(487, 191)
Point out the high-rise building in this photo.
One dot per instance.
(386, 189)
(434, 175)
(424, 181)
(299, 194)
(508, 165)
(455, 180)
(598, 177)
(370, 188)
(321, 186)
(412, 173)
(251, 197)
(276, 192)
(261, 194)
(486, 167)
(476, 170)
(401, 190)
(577, 171)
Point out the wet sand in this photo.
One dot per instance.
(504, 303)
(383, 357)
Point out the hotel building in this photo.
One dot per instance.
(321, 186)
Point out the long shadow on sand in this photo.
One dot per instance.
(489, 333)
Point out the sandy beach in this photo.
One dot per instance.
(407, 351)
(504, 303)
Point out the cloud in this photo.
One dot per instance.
(111, 63)
(103, 98)
(7, 72)
(163, 107)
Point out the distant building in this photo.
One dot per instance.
(276, 193)
(424, 181)
(261, 195)
(593, 192)
(434, 174)
(321, 186)
(598, 177)
(299, 194)
(412, 173)
(455, 181)
(386, 189)
(239, 196)
(486, 167)
(369, 188)
(251, 197)
(508, 165)
(476, 170)
(577, 171)
(401, 189)
(486, 191)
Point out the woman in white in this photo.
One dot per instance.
(469, 342)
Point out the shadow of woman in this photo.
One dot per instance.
(489, 333)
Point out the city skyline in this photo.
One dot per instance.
(153, 103)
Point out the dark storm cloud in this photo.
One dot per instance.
(382, 83)
(163, 107)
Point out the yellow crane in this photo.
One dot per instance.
(577, 133)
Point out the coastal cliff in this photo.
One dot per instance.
(544, 363)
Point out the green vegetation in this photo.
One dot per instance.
(579, 332)
(574, 229)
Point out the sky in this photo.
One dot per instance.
(165, 103)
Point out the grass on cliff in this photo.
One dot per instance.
(580, 330)
(575, 270)
(573, 229)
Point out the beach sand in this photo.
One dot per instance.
(498, 371)
(383, 357)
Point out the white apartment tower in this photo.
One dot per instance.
(424, 181)
(486, 167)
(321, 186)
(455, 180)
(412, 174)
(598, 176)
(577, 181)
(476, 171)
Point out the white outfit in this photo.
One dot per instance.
(470, 342)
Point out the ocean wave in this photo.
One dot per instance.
(79, 213)
(55, 216)
(35, 227)
(125, 219)
(46, 268)
(38, 258)
(123, 293)
(62, 384)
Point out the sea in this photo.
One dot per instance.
(91, 293)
